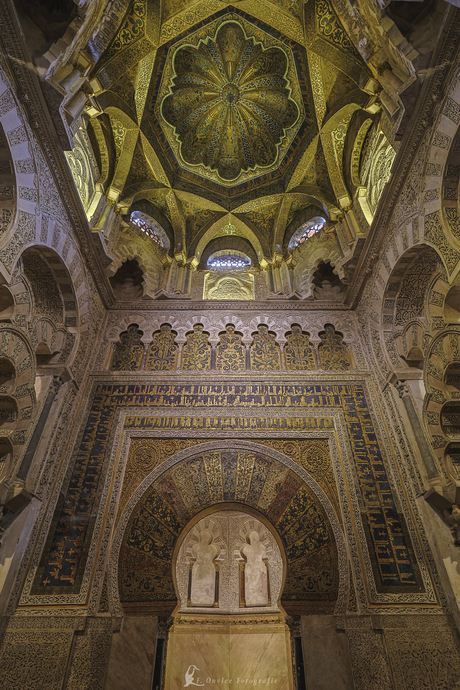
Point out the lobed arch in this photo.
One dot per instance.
(149, 323)
(128, 341)
(65, 263)
(442, 357)
(18, 206)
(162, 478)
(321, 248)
(451, 180)
(442, 178)
(407, 304)
(53, 312)
(403, 244)
(18, 362)
(132, 245)
(8, 187)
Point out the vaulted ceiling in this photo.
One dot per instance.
(246, 114)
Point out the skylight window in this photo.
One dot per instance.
(228, 260)
(307, 230)
(150, 227)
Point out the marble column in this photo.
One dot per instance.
(425, 452)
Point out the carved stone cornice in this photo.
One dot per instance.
(21, 72)
(442, 67)
(228, 305)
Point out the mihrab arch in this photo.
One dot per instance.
(240, 474)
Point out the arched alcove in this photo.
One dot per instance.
(53, 315)
(452, 457)
(230, 559)
(269, 492)
(406, 308)
(8, 411)
(127, 283)
(452, 306)
(328, 285)
(452, 380)
(168, 503)
(6, 304)
(228, 244)
(450, 420)
(7, 373)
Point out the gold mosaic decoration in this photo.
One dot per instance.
(129, 351)
(230, 351)
(229, 101)
(329, 27)
(314, 456)
(162, 353)
(234, 285)
(265, 353)
(298, 351)
(333, 354)
(131, 30)
(196, 354)
(144, 455)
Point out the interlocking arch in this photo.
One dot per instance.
(53, 310)
(411, 298)
(17, 378)
(442, 381)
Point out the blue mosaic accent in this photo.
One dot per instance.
(64, 557)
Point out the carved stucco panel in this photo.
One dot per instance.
(424, 659)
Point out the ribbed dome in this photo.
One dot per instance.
(230, 103)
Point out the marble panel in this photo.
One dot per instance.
(229, 561)
(326, 656)
(132, 655)
(229, 656)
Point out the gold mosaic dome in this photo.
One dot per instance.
(230, 103)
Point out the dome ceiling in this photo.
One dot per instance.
(216, 115)
(230, 105)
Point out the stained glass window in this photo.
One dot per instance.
(307, 230)
(151, 228)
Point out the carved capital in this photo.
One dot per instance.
(402, 388)
(56, 384)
